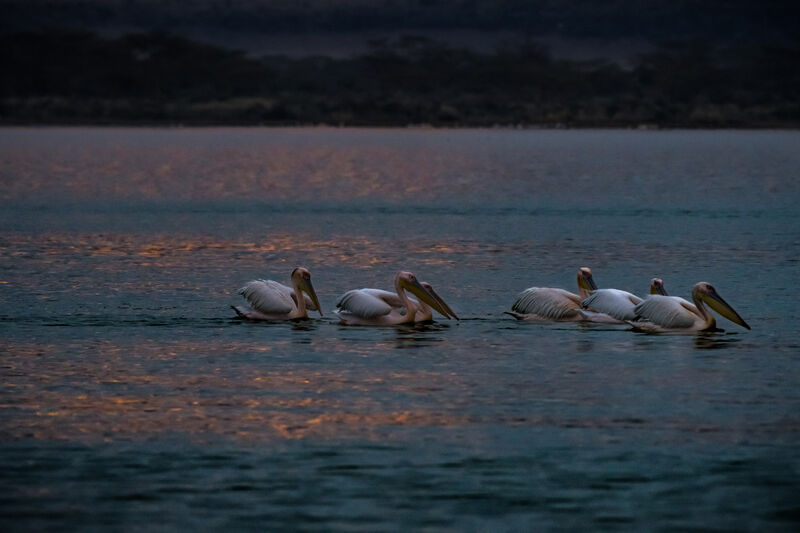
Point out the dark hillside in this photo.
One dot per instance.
(79, 77)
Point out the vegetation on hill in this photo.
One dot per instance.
(60, 77)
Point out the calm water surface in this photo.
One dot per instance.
(133, 399)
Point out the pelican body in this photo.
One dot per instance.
(550, 304)
(424, 312)
(669, 313)
(375, 307)
(619, 305)
(270, 300)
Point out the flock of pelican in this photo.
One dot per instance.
(657, 312)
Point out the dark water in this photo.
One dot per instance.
(132, 399)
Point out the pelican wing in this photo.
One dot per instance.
(390, 298)
(667, 311)
(366, 303)
(547, 302)
(289, 293)
(269, 296)
(613, 302)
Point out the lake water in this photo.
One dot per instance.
(133, 399)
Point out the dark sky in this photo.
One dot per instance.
(338, 27)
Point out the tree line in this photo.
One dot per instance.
(67, 77)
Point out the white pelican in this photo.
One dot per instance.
(549, 304)
(424, 313)
(618, 304)
(670, 313)
(271, 300)
(374, 307)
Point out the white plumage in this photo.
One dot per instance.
(613, 302)
(270, 300)
(257, 290)
(668, 311)
(268, 296)
(548, 303)
(368, 303)
(551, 304)
(371, 303)
(375, 307)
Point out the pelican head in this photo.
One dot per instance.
(429, 289)
(408, 281)
(585, 280)
(302, 278)
(657, 287)
(705, 292)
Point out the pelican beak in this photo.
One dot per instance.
(420, 292)
(722, 307)
(444, 305)
(307, 287)
(587, 283)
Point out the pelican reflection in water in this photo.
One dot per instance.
(375, 307)
(270, 300)
(671, 313)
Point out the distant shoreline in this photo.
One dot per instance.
(81, 78)
(499, 127)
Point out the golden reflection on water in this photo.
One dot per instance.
(184, 251)
(359, 250)
(111, 395)
(193, 166)
(149, 245)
